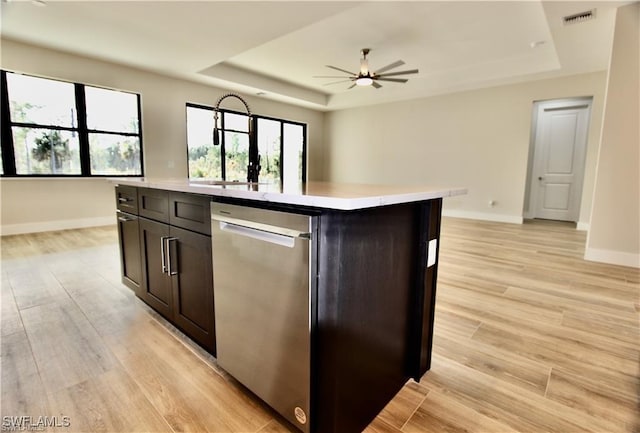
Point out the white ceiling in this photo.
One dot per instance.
(277, 47)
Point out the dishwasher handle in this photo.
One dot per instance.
(263, 232)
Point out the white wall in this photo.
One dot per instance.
(477, 139)
(614, 236)
(44, 204)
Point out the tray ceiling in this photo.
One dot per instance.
(275, 48)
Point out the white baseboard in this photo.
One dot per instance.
(582, 226)
(513, 219)
(612, 257)
(47, 226)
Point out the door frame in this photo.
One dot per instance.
(530, 199)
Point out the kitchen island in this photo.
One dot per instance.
(371, 292)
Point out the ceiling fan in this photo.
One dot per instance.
(367, 78)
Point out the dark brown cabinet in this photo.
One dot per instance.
(156, 284)
(172, 244)
(154, 204)
(127, 199)
(177, 278)
(191, 212)
(190, 268)
(128, 235)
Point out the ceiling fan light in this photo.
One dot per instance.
(364, 81)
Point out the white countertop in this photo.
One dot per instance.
(314, 194)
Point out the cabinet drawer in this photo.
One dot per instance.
(154, 204)
(127, 199)
(190, 211)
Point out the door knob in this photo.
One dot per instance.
(540, 178)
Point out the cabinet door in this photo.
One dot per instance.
(156, 284)
(129, 237)
(192, 282)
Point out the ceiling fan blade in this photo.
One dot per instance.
(395, 80)
(341, 70)
(330, 76)
(351, 86)
(390, 74)
(376, 85)
(336, 82)
(391, 66)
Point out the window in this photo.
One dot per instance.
(56, 128)
(281, 145)
(235, 142)
(113, 127)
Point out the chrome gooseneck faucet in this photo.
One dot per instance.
(253, 169)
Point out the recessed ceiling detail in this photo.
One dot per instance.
(456, 45)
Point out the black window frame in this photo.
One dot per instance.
(6, 133)
(254, 126)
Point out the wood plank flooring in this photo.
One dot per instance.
(529, 337)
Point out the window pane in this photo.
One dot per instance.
(114, 154)
(236, 148)
(205, 162)
(204, 157)
(111, 110)
(41, 101)
(293, 145)
(269, 149)
(237, 122)
(46, 151)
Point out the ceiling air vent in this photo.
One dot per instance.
(579, 17)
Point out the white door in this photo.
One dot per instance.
(559, 158)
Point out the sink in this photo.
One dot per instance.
(208, 182)
(218, 182)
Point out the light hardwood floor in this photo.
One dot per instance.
(528, 338)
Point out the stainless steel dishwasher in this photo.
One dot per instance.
(262, 283)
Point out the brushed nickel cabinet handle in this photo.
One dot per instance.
(163, 252)
(169, 270)
(125, 217)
